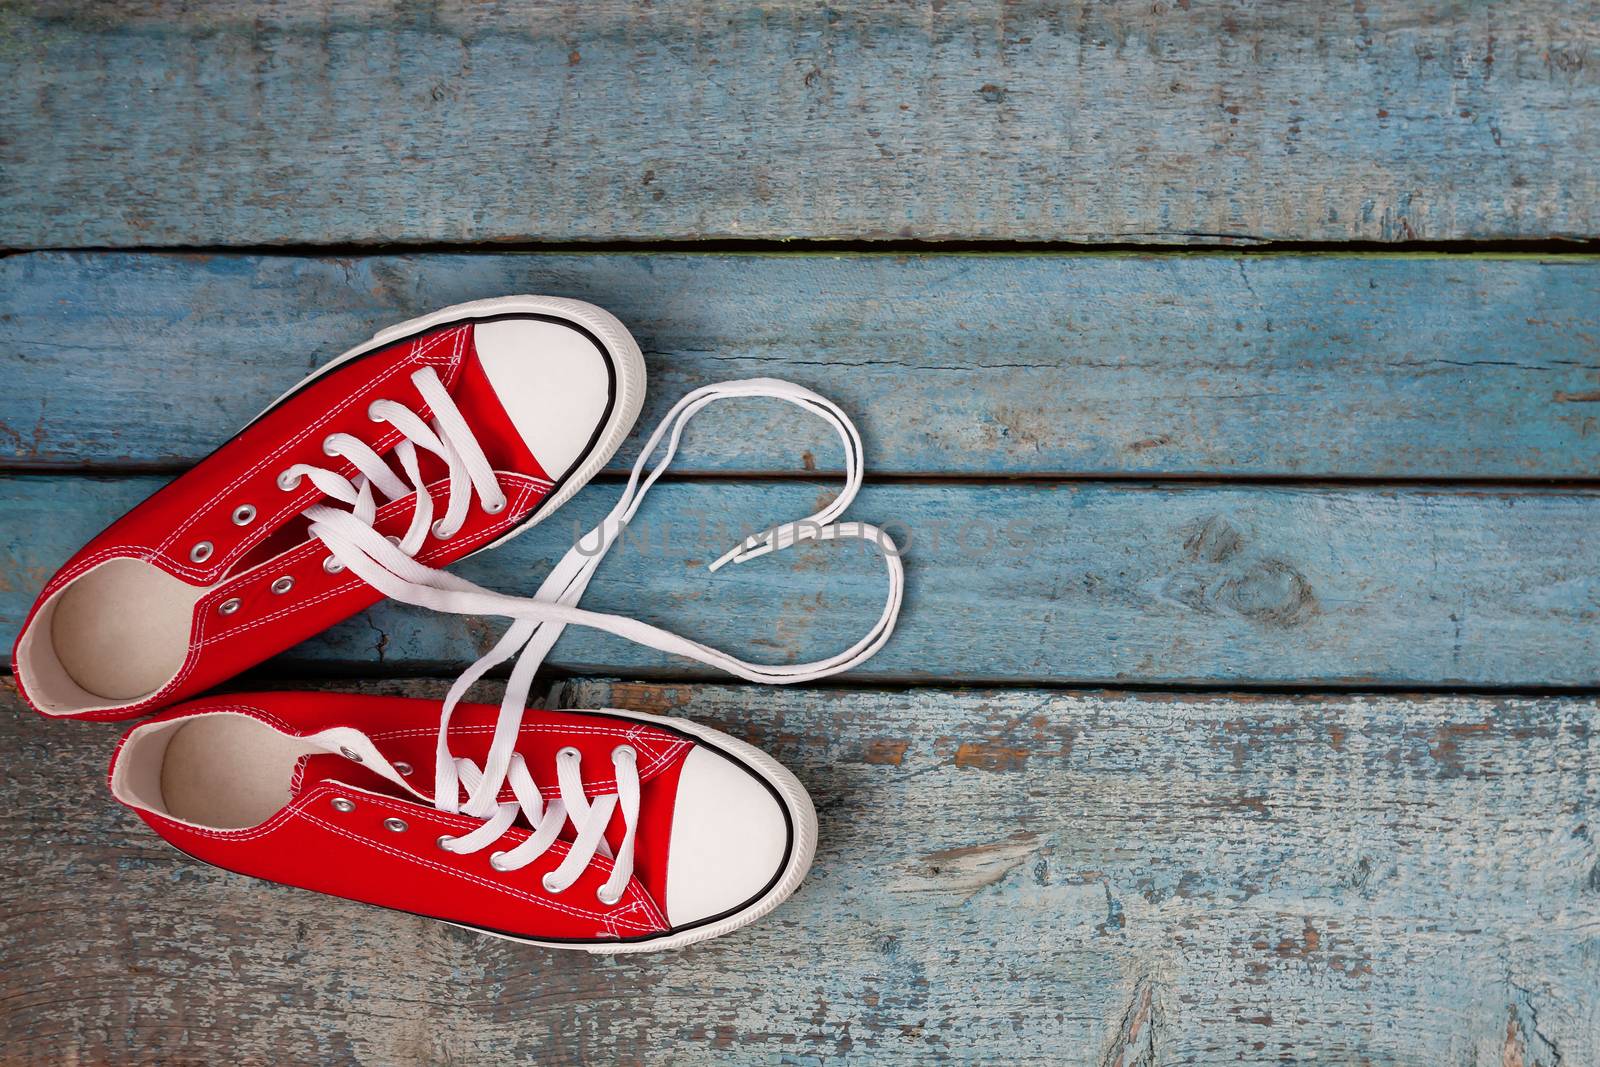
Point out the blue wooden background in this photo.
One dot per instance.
(1234, 372)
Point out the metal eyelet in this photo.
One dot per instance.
(397, 826)
(201, 552)
(347, 754)
(548, 888)
(332, 566)
(401, 767)
(497, 861)
(327, 447)
(244, 514)
(229, 606)
(341, 804)
(444, 841)
(283, 585)
(437, 529)
(495, 509)
(288, 481)
(625, 750)
(372, 411)
(393, 539)
(569, 753)
(600, 895)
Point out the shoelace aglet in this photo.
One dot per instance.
(748, 549)
(784, 536)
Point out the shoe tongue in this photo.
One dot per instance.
(331, 767)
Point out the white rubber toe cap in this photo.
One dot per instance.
(553, 381)
(730, 838)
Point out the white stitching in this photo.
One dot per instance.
(297, 555)
(327, 787)
(298, 778)
(176, 567)
(613, 731)
(418, 353)
(294, 502)
(323, 789)
(249, 710)
(658, 756)
(557, 847)
(527, 486)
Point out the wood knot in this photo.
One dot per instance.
(1271, 592)
(1222, 574)
(1212, 540)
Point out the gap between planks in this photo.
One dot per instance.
(551, 690)
(1042, 479)
(272, 675)
(1224, 245)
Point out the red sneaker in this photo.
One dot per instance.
(497, 411)
(608, 831)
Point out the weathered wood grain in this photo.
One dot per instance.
(1442, 366)
(1080, 583)
(1006, 876)
(241, 123)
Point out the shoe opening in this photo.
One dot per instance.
(113, 636)
(218, 771)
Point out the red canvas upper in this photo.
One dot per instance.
(248, 559)
(312, 843)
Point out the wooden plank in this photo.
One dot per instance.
(1078, 583)
(1435, 366)
(246, 123)
(1006, 876)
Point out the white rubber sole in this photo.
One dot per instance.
(628, 362)
(802, 817)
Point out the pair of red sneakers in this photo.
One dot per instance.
(605, 830)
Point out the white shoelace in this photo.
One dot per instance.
(589, 819)
(450, 438)
(537, 621)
